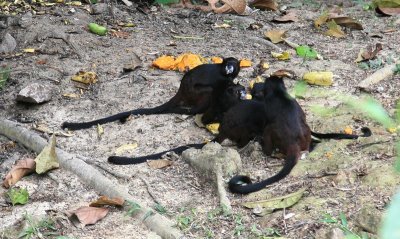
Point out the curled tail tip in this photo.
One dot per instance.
(238, 183)
(366, 132)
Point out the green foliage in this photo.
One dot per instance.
(4, 74)
(183, 221)
(18, 196)
(343, 225)
(306, 52)
(300, 89)
(397, 69)
(133, 208)
(166, 2)
(372, 109)
(42, 229)
(391, 223)
(160, 209)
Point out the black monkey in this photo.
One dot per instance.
(232, 95)
(195, 94)
(257, 92)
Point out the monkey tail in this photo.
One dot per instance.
(85, 125)
(366, 132)
(127, 160)
(169, 107)
(236, 183)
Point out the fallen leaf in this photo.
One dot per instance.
(29, 50)
(290, 16)
(323, 78)
(371, 53)
(239, 6)
(90, 215)
(265, 5)
(278, 202)
(348, 130)
(85, 77)
(388, 10)
(159, 163)
(104, 200)
(47, 159)
(100, 130)
(387, 7)
(213, 128)
(264, 65)
(321, 20)
(347, 22)
(126, 147)
(18, 196)
(71, 95)
(334, 30)
(245, 63)
(216, 59)
(306, 52)
(42, 128)
(223, 25)
(283, 73)
(19, 170)
(275, 36)
(281, 56)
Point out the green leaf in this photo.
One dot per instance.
(306, 52)
(300, 89)
(166, 2)
(391, 222)
(329, 219)
(343, 219)
(18, 196)
(4, 74)
(372, 109)
(397, 162)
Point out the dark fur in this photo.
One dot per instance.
(285, 129)
(195, 95)
(257, 93)
(231, 96)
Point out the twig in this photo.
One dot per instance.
(149, 191)
(188, 37)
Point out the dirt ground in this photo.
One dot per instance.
(355, 178)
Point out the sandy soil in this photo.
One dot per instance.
(361, 171)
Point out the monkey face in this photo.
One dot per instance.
(231, 67)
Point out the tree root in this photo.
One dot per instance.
(90, 176)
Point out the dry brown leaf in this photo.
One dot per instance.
(347, 22)
(238, 6)
(321, 20)
(370, 53)
(90, 215)
(265, 5)
(47, 159)
(334, 30)
(159, 163)
(291, 16)
(120, 34)
(275, 36)
(388, 10)
(284, 73)
(22, 168)
(104, 200)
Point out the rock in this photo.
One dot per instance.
(369, 219)
(210, 156)
(8, 44)
(330, 233)
(99, 8)
(35, 93)
(26, 20)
